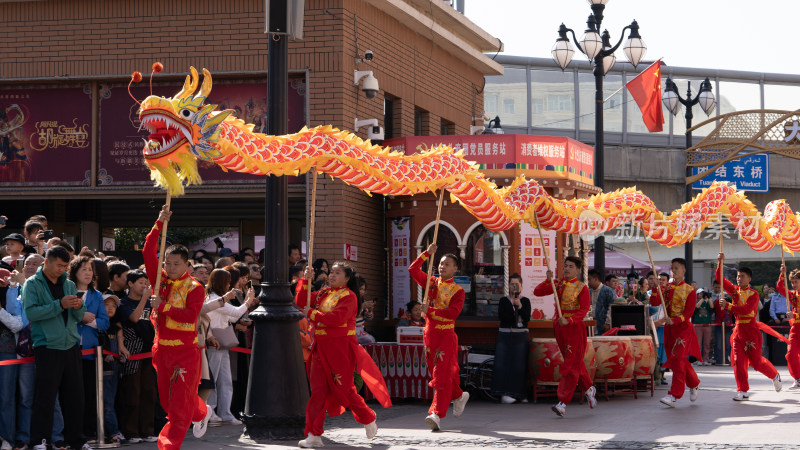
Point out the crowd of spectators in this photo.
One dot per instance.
(58, 305)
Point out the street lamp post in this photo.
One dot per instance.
(599, 50)
(277, 392)
(672, 100)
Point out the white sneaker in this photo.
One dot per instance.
(506, 400)
(150, 439)
(214, 417)
(199, 428)
(42, 446)
(741, 396)
(433, 422)
(590, 397)
(669, 400)
(134, 440)
(371, 429)
(460, 403)
(795, 386)
(233, 421)
(5, 445)
(693, 392)
(560, 409)
(311, 442)
(777, 383)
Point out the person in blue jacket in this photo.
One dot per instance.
(95, 319)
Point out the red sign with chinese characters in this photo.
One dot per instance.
(535, 156)
(45, 137)
(121, 160)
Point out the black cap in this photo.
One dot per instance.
(15, 237)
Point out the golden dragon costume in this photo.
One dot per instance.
(183, 129)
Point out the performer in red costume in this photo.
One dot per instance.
(570, 332)
(446, 299)
(176, 356)
(746, 337)
(336, 355)
(793, 350)
(680, 339)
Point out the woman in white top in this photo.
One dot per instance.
(218, 290)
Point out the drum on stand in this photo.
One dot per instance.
(614, 358)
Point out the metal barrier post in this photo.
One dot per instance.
(101, 432)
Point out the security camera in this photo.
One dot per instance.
(368, 55)
(370, 83)
(476, 129)
(375, 133)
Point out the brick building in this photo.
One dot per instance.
(74, 58)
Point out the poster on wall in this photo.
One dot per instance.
(534, 268)
(121, 141)
(401, 279)
(45, 137)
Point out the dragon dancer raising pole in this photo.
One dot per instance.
(176, 356)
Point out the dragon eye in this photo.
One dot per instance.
(186, 113)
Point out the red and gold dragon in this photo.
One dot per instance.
(184, 129)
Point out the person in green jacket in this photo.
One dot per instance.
(702, 319)
(54, 311)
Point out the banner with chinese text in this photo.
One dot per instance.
(537, 156)
(45, 137)
(534, 268)
(401, 259)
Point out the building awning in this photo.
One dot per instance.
(619, 264)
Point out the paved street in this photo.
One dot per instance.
(768, 420)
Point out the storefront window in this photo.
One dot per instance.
(484, 267)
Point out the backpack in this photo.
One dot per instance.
(25, 342)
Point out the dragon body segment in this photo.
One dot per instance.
(184, 129)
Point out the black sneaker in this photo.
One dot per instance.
(20, 445)
(59, 445)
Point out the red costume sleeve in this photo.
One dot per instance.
(188, 314)
(729, 287)
(782, 290)
(585, 300)
(150, 254)
(453, 309)
(344, 310)
(301, 294)
(750, 306)
(655, 299)
(544, 288)
(415, 269)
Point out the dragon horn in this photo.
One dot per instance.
(190, 85)
(206, 88)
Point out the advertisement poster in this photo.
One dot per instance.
(534, 268)
(401, 259)
(45, 137)
(121, 141)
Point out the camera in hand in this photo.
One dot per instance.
(48, 234)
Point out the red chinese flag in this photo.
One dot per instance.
(646, 90)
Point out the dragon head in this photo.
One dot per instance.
(182, 129)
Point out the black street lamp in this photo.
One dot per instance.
(277, 392)
(599, 50)
(672, 100)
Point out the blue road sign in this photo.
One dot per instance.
(750, 173)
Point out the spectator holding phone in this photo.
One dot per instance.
(219, 290)
(54, 310)
(510, 369)
(15, 250)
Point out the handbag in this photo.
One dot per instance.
(226, 337)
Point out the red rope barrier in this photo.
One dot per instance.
(90, 351)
